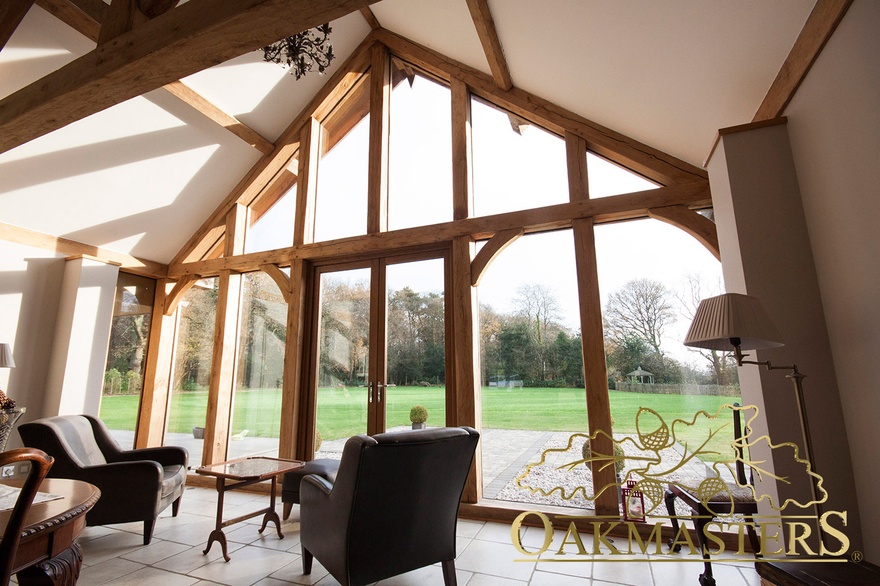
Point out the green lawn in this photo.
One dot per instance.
(342, 412)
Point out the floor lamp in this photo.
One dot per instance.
(739, 322)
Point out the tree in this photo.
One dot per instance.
(641, 308)
(695, 289)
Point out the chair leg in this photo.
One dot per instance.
(286, 512)
(306, 560)
(175, 506)
(700, 523)
(753, 536)
(149, 524)
(669, 497)
(449, 573)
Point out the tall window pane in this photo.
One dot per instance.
(419, 151)
(262, 326)
(341, 200)
(126, 356)
(416, 343)
(516, 165)
(343, 359)
(651, 279)
(273, 227)
(191, 370)
(533, 396)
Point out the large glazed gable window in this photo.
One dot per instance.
(516, 165)
(419, 150)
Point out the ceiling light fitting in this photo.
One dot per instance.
(303, 51)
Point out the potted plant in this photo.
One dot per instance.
(418, 415)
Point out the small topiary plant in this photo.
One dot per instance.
(619, 456)
(418, 414)
(318, 440)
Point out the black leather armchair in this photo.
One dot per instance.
(136, 485)
(393, 507)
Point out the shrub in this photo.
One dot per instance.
(318, 440)
(619, 455)
(418, 414)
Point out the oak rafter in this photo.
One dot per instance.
(183, 41)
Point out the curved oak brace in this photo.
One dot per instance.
(281, 279)
(697, 225)
(490, 250)
(180, 288)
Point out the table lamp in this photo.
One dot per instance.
(738, 322)
(6, 360)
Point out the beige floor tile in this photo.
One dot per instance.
(157, 551)
(189, 560)
(541, 578)
(153, 576)
(110, 546)
(630, 573)
(486, 580)
(108, 570)
(495, 559)
(247, 566)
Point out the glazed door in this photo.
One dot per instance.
(381, 332)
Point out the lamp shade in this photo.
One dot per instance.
(6, 360)
(732, 315)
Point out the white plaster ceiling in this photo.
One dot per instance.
(142, 176)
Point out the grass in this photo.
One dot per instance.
(342, 412)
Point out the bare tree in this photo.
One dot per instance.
(641, 308)
(538, 305)
(694, 289)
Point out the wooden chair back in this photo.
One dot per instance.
(40, 464)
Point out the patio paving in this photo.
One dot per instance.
(506, 454)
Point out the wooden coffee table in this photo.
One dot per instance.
(243, 472)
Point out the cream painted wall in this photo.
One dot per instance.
(834, 129)
(30, 287)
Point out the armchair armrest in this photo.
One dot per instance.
(164, 455)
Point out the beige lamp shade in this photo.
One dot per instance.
(6, 360)
(732, 315)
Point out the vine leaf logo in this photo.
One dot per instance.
(660, 454)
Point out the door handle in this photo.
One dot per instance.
(379, 387)
(370, 392)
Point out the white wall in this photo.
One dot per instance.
(834, 129)
(30, 287)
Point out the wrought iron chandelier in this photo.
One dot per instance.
(302, 52)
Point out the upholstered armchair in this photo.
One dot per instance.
(393, 507)
(136, 485)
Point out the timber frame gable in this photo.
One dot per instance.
(682, 186)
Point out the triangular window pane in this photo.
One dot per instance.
(607, 178)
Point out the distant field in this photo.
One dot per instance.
(342, 411)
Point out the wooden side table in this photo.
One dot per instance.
(243, 472)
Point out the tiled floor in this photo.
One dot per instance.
(115, 555)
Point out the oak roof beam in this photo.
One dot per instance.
(183, 41)
(11, 14)
(485, 25)
(616, 208)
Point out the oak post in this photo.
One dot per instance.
(157, 373)
(377, 179)
(289, 445)
(466, 359)
(222, 380)
(595, 373)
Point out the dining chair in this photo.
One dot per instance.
(40, 462)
